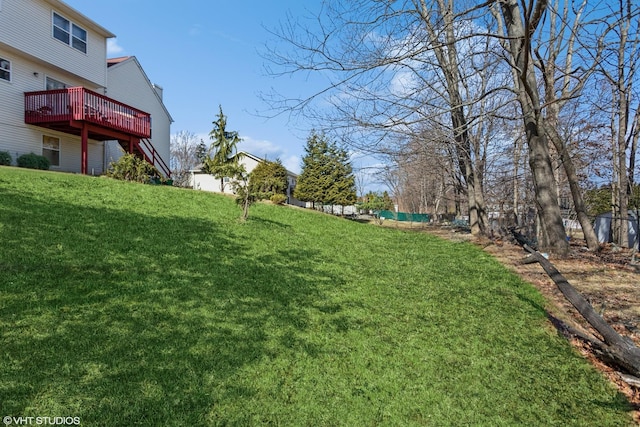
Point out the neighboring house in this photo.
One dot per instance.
(206, 182)
(56, 89)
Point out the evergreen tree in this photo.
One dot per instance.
(376, 202)
(223, 159)
(201, 152)
(343, 182)
(327, 176)
(267, 179)
(313, 180)
(388, 202)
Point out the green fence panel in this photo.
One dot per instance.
(405, 216)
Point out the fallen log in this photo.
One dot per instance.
(617, 349)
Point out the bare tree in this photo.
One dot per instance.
(425, 173)
(392, 66)
(564, 81)
(619, 69)
(517, 22)
(183, 157)
(395, 68)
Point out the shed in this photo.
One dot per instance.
(602, 227)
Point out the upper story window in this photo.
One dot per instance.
(5, 69)
(69, 33)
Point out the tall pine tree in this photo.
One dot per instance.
(309, 187)
(223, 159)
(327, 176)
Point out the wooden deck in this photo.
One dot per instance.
(62, 109)
(80, 111)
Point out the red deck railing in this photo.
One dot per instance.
(80, 104)
(152, 156)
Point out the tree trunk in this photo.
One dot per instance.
(576, 192)
(475, 199)
(445, 50)
(517, 151)
(619, 349)
(552, 232)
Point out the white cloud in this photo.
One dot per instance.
(113, 48)
(267, 149)
(292, 163)
(260, 148)
(403, 83)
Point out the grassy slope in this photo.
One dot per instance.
(130, 304)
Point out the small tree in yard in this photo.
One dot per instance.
(223, 157)
(223, 160)
(343, 182)
(201, 151)
(312, 181)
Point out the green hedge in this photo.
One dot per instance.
(33, 161)
(5, 158)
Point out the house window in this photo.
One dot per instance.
(5, 69)
(69, 33)
(52, 84)
(51, 149)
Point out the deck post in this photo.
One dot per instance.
(84, 148)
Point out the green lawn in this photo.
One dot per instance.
(128, 304)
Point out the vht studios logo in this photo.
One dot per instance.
(45, 421)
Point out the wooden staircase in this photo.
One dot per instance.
(144, 149)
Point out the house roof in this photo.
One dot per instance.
(198, 168)
(80, 18)
(114, 62)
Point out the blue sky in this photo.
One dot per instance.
(206, 53)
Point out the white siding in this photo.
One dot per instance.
(18, 138)
(26, 39)
(70, 153)
(206, 182)
(129, 84)
(26, 26)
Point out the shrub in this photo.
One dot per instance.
(33, 161)
(5, 158)
(278, 199)
(132, 168)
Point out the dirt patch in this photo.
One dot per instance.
(608, 279)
